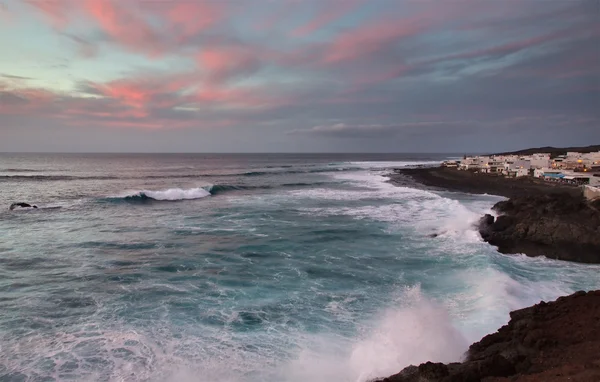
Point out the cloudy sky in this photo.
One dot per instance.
(298, 75)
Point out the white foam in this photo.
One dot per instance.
(425, 211)
(419, 330)
(128, 353)
(173, 194)
(395, 164)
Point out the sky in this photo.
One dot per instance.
(298, 75)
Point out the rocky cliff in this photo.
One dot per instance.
(556, 341)
(558, 226)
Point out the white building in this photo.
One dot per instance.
(477, 163)
(536, 164)
(574, 160)
(540, 160)
(450, 163)
(591, 159)
(517, 172)
(558, 162)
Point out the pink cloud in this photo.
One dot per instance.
(5, 13)
(145, 93)
(252, 98)
(127, 28)
(222, 63)
(149, 101)
(189, 18)
(150, 28)
(55, 10)
(16, 101)
(285, 9)
(333, 11)
(129, 94)
(371, 38)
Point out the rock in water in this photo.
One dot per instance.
(22, 205)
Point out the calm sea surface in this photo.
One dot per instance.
(246, 268)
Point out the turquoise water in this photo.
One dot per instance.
(246, 268)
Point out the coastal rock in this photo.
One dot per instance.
(558, 226)
(21, 205)
(554, 341)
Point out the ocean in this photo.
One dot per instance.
(246, 268)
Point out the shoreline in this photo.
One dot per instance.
(538, 219)
(450, 179)
(553, 341)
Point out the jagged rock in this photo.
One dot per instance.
(487, 219)
(545, 342)
(558, 226)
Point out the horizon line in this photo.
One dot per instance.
(235, 153)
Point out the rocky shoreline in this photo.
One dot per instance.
(556, 341)
(558, 226)
(539, 219)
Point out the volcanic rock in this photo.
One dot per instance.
(556, 341)
(558, 226)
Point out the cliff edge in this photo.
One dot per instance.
(556, 341)
(558, 226)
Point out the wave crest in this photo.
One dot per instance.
(174, 194)
(171, 194)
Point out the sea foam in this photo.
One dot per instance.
(171, 194)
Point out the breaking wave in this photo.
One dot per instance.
(175, 194)
(172, 194)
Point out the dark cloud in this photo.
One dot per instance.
(13, 77)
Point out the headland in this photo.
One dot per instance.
(552, 211)
(554, 205)
(551, 342)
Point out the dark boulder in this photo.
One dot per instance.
(22, 205)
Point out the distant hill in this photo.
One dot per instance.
(553, 151)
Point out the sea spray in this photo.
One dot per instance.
(419, 330)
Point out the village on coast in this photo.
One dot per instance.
(573, 168)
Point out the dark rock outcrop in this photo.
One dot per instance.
(22, 205)
(554, 341)
(558, 226)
